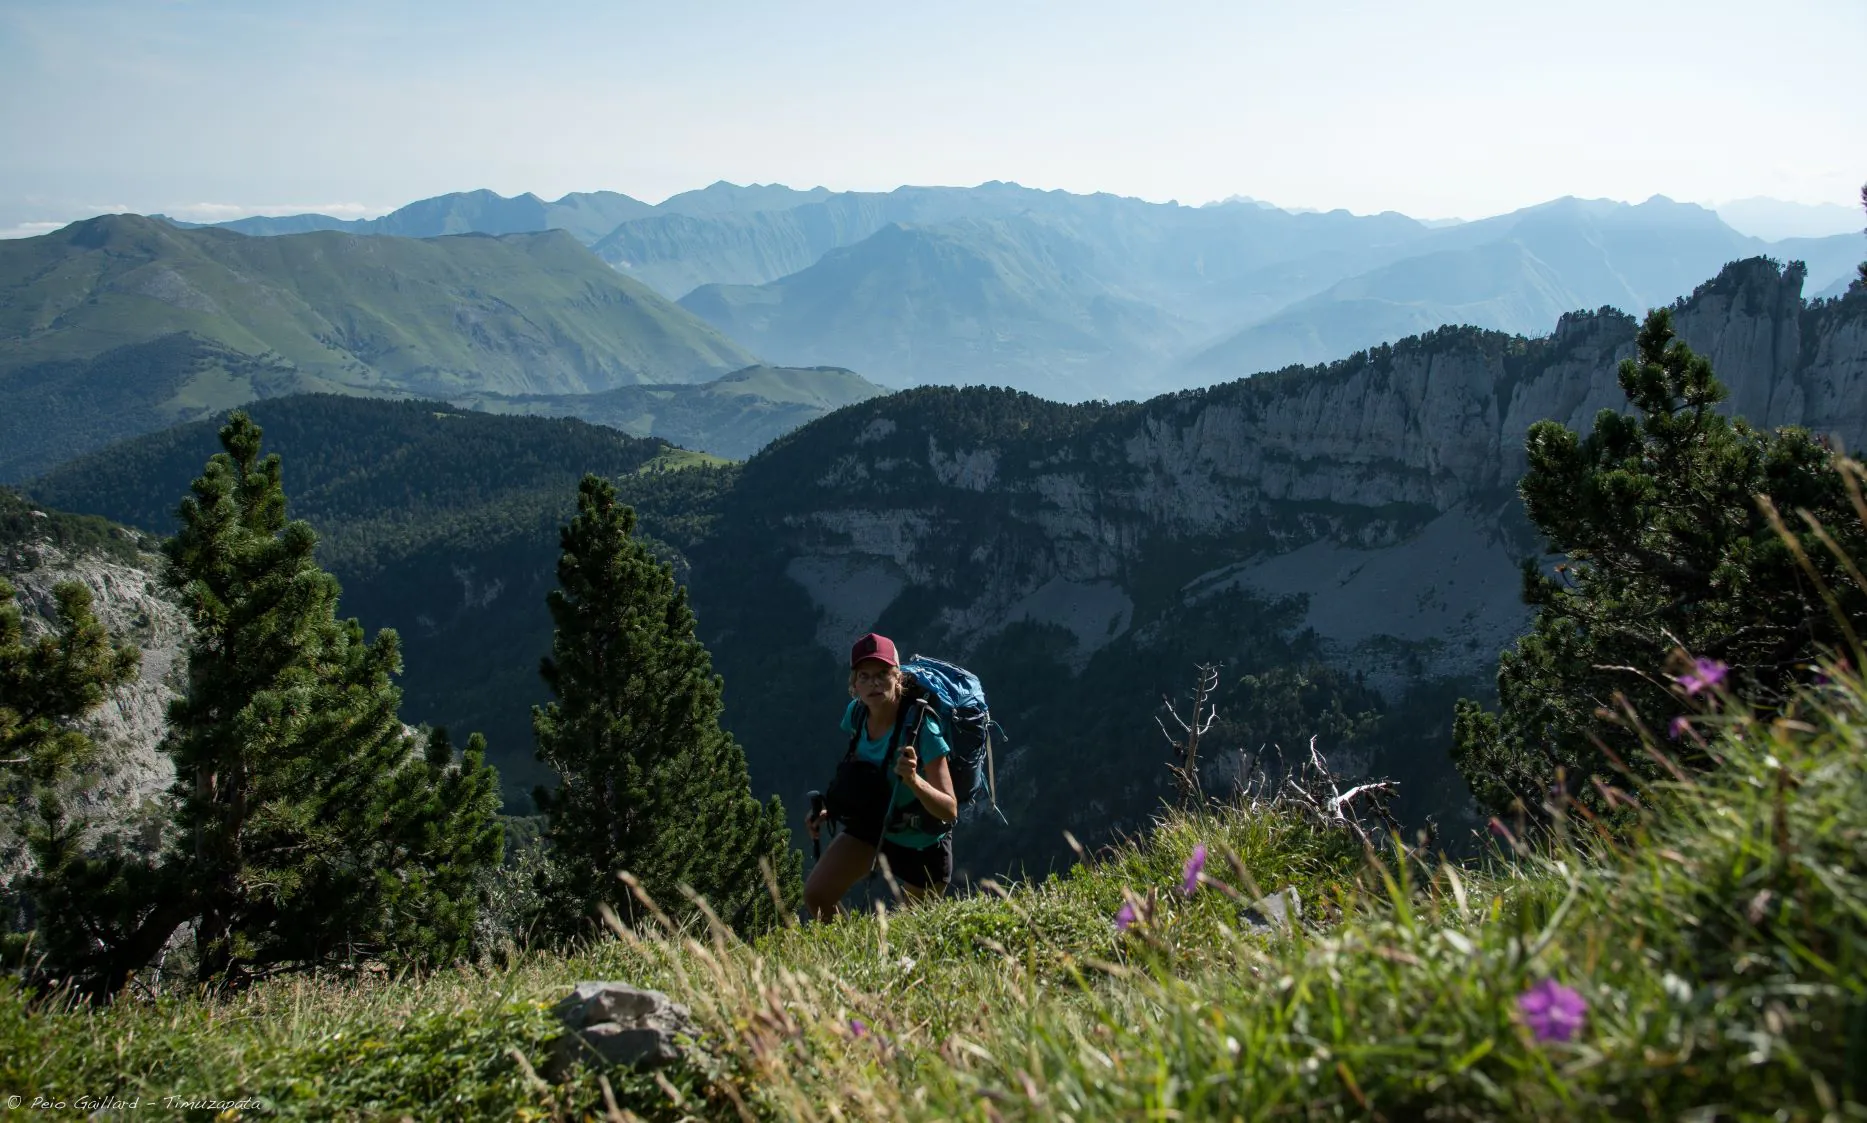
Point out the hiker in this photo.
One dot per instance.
(898, 762)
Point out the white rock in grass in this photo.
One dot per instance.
(1278, 910)
(617, 1024)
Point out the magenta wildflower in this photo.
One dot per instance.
(1189, 881)
(857, 1029)
(1552, 1011)
(1125, 918)
(1678, 727)
(1705, 674)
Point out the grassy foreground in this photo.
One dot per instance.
(1721, 957)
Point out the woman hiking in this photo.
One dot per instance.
(893, 792)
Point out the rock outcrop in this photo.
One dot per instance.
(129, 600)
(618, 1024)
(1382, 487)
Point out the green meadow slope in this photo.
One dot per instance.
(231, 318)
(1707, 962)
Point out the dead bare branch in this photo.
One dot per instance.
(1186, 748)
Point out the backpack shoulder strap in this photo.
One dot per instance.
(855, 737)
(908, 723)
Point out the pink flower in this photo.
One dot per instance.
(1189, 881)
(857, 1029)
(1705, 674)
(1125, 918)
(1678, 727)
(1552, 1011)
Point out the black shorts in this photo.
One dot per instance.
(920, 867)
(916, 866)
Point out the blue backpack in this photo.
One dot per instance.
(958, 700)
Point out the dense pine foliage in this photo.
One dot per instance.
(378, 479)
(311, 827)
(1689, 536)
(293, 770)
(23, 521)
(48, 687)
(440, 523)
(651, 785)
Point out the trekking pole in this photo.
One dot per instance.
(816, 810)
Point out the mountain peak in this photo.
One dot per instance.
(112, 229)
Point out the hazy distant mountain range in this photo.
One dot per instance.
(1774, 219)
(1519, 273)
(1087, 296)
(121, 324)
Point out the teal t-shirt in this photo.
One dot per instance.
(931, 747)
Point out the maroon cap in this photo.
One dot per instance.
(873, 646)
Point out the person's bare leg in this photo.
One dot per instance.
(845, 861)
(917, 892)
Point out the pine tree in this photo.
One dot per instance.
(46, 689)
(313, 828)
(650, 784)
(317, 831)
(447, 830)
(1862, 279)
(1669, 550)
(47, 686)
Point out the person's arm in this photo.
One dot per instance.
(933, 786)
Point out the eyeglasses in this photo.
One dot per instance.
(875, 678)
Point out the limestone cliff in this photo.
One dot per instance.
(1381, 487)
(129, 600)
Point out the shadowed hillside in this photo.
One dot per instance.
(734, 415)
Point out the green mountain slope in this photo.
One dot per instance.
(1013, 301)
(734, 415)
(525, 313)
(57, 408)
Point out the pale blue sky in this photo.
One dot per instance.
(1435, 108)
